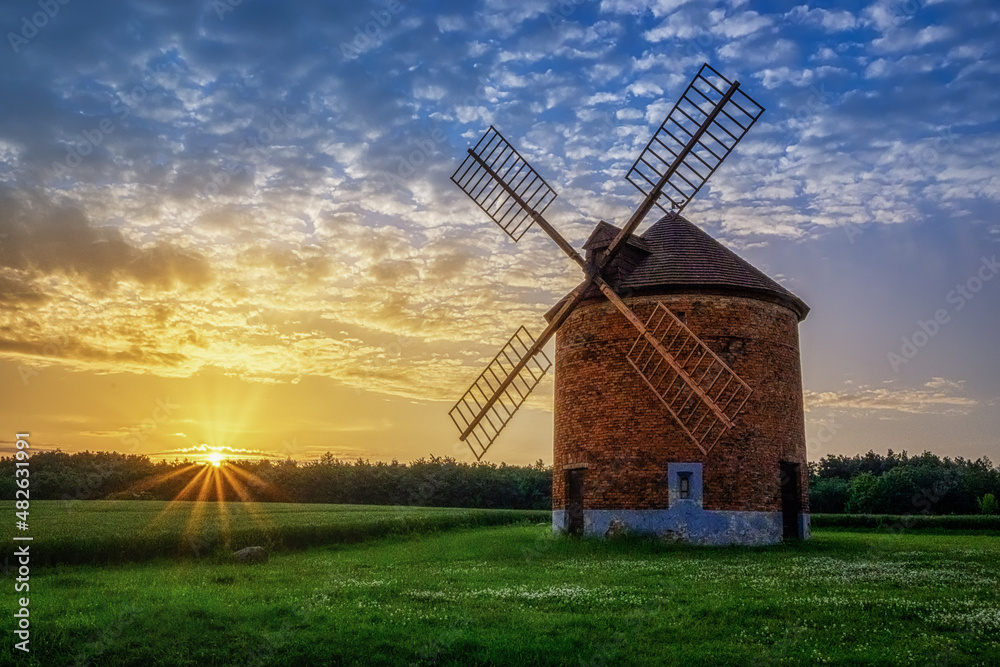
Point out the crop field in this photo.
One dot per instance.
(513, 594)
(110, 531)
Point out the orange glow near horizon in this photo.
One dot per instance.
(206, 496)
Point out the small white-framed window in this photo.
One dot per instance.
(684, 483)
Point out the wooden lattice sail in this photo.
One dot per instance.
(694, 385)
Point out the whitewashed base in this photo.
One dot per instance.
(687, 522)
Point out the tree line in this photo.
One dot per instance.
(902, 484)
(861, 484)
(432, 482)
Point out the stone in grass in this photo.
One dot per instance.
(251, 555)
(616, 528)
(680, 536)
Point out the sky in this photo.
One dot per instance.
(230, 224)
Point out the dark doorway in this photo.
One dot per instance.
(574, 501)
(791, 500)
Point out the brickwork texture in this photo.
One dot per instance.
(609, 421)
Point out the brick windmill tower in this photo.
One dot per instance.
(683, 418)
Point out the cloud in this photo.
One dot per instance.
(196, 236)
(909, 40)
(885, 15)
(657, 8)
(679, 25)
(936, 397)
(233, 453)
(41, 238)
(832, 21)
(772, 78)
(18, 292)
(743, 24)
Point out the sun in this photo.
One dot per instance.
(216, 458)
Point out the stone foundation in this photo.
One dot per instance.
(684, 523)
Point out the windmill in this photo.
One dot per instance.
(695, 386)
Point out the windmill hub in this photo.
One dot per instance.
(712, 449)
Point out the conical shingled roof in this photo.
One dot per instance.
(683, 256)
(674, 255)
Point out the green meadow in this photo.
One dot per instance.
(121, 531)
(465, 593)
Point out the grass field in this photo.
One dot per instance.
(110, 531)
(986, 524)
(515, 595)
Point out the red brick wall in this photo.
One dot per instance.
(606, 417)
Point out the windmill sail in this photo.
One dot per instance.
(499, 391)
(503, 184)
(698, 389)
(700, 131)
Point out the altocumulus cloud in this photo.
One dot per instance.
(336, 245)
(41, 238)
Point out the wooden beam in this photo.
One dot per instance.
(641, 326)
(539, 343)
(537, 217)
(647, 204)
